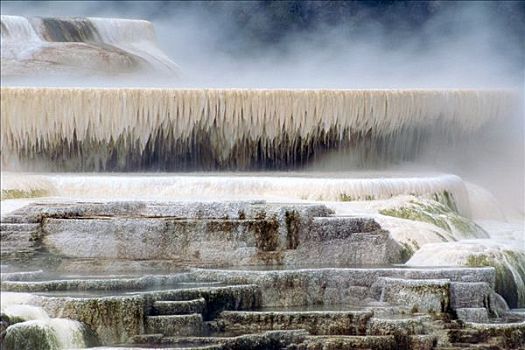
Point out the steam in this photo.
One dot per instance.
(458, 45)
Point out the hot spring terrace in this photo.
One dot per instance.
(272, 292)
(119, 129)
(56, 48)
(249, 261)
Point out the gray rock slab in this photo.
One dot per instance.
(355, 249)
(479, 315)
(386, 342)
(197, 234)
(315, 322)
(175, 325)
(430, 295)
(397, 326)
(182, 307)
(327, 286)
(469, 294)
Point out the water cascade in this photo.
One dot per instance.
(31, 327)
(16, 28)
(287, 187)
(80, 47)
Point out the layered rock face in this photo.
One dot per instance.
(273, 291)
(145, 235)
(339, 308)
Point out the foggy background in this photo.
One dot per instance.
(335, 44)
(325, 44)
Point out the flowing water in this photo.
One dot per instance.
(69, 46)
(65, 333)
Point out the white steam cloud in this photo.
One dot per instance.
(468, 45)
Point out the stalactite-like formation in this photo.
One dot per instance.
(81, 129)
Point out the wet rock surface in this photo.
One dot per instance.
(186, 234)
(420, 295)
(240, 316)
(180, 307)
(280, 303)
(4, 323)
(315, 322)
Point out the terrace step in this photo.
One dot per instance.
(196, 241)
(340, 227)
(15, 236)
(466, 336)
(18, 240)
(151, 338)
(475, 314)
(412, 325)
(307, 342)
(184, 307)
(175, 325)
(20, 219)
(17, 227)
(422, 341)
(261, 340)
(347, 342)
(460, 346)
(315, 322)
(469, 294)
(176, 341)
(505, 335)
(427, 295)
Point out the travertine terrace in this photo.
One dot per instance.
(280, 257)
(210, 129)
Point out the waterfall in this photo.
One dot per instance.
(17, 28)
(135, 36)
(280, 186)
(39, 44)
(33, 324)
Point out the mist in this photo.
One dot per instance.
(440, 45)
(233, 44)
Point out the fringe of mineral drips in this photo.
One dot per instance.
(170, 129)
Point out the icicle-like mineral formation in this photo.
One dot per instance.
(171, 129)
